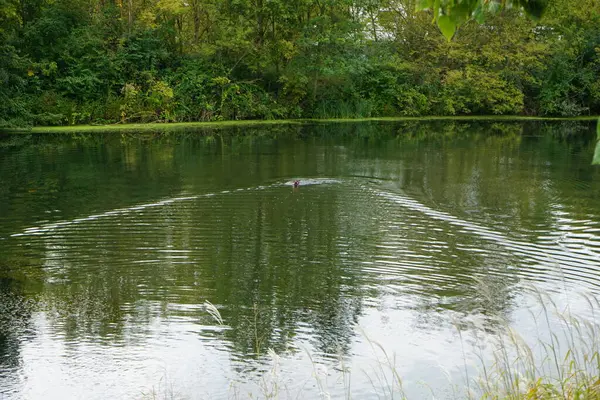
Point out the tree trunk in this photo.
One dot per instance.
(259, 22)
(130, 16)
(196, 11)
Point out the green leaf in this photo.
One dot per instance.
(534, 8)
(478, 14)
(447, 26)
(436, 9)
(596, 159)
(424, 4)
(493, 7)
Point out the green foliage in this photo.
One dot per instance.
(81, 61)
(13, 103)
(596, 160)
(450, 14)
(569, 85)
(477, 91)
(393, 89)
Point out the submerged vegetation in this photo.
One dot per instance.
(67, 62)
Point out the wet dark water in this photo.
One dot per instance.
(111, 243)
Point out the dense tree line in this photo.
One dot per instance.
(109, 61)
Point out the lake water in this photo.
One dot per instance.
(402, 249)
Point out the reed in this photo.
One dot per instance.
(563, 365)
(559, 364)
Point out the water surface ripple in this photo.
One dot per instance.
(398, 234)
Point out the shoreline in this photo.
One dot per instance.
(218, 124)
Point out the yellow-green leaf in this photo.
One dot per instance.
(436, 9)
(447, 26)
(596, 160)
(424, 4)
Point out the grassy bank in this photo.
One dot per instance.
(226, 124)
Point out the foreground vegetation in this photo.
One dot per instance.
(66, 62)
(563, 363)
